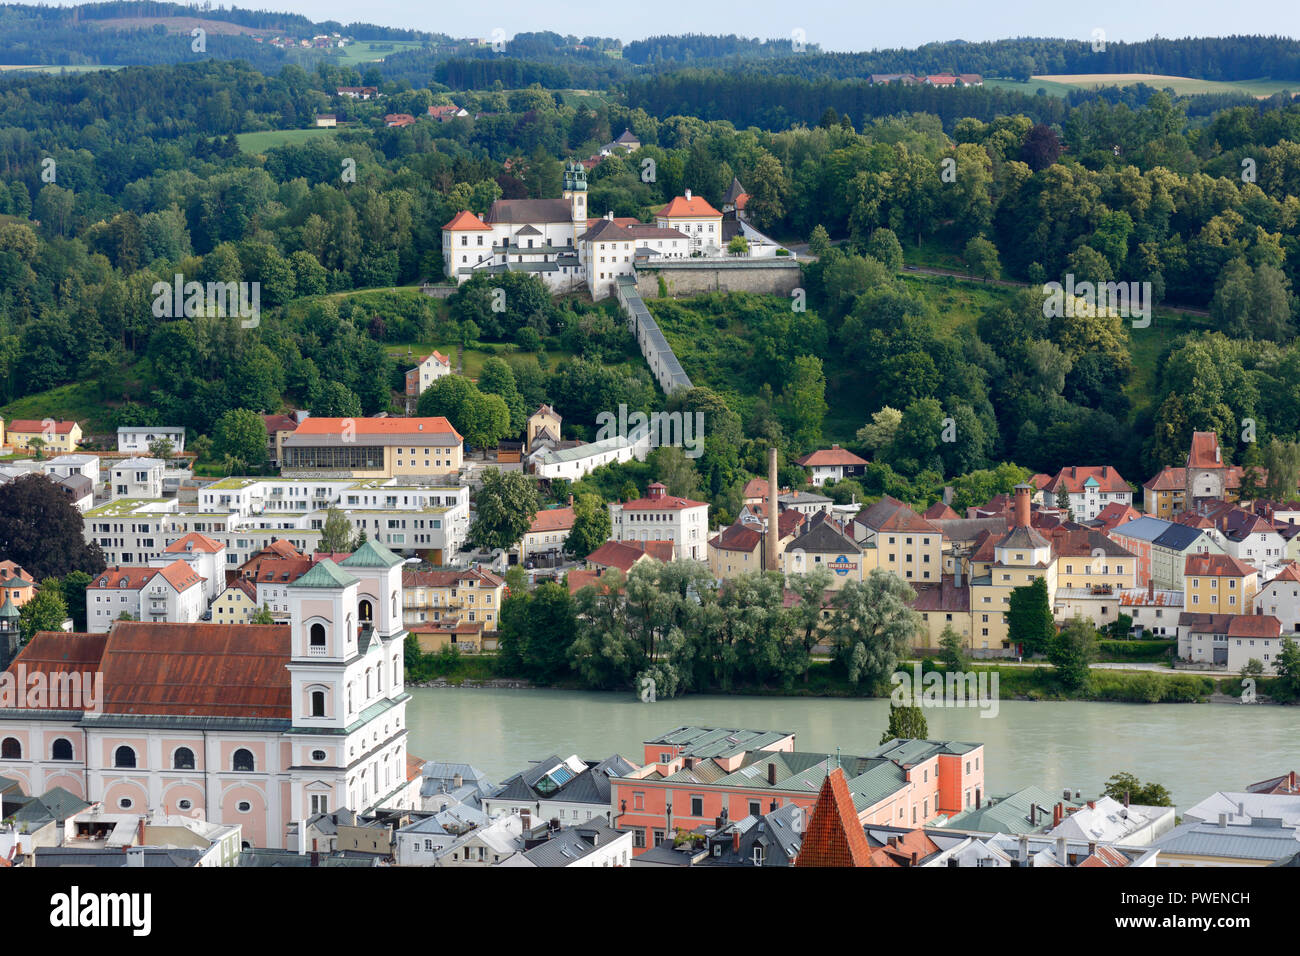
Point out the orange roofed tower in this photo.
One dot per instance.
(834, 836)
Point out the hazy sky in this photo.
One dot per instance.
(835, 25)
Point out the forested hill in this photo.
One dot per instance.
(138, 32)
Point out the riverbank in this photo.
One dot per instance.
(1026, 681)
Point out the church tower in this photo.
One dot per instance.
(575, 191)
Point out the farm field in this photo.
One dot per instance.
(371, 51)
(263, 140)
(1180, 84)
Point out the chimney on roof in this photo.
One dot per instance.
(1058, 814)
(1218, 455)
(915, 857)
(947, 495)
(1023, 492)
(978, 797)
(139, 837)
(1126, 797)
(893, 841)
(1033, 814)
(1024, 850)
(773, 524)
(735, 841)
(1062, 851)
(957, 560)
(1074, 471)
(570, 501)
(1291, 782)
(1092, 805)
(771, 773)
(1092, 848)
(1223, 819)
(688, 194)
(457, 782)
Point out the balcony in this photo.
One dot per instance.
(315, 650)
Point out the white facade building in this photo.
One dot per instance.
(173, 594)
(137, 439)
(137, 478)
(663, 517)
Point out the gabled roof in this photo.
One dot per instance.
(194, 542)
(1167, 479)
(521, 211)
(29, 426)
(1216, 565)
(1205, 451)
(939, 510)
(823, 534)
(624, 554)
(829, 457)
(1077, 478)
(552, 519)
(834, 837)
(180, 575)
(695, 207)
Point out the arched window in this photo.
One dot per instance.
(243, 759)
(397, 671)
(365, 611)
(318, 635)
(183, 759)
(124, 757)
(11, 749)
(318, 703)
(62, 749)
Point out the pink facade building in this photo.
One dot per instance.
(692, 774)
(260, 725)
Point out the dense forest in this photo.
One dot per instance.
(112, 181)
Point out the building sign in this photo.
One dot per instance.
(842, 565)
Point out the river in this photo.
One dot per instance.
(1193, 749)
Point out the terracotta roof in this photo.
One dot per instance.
(552, 519)
(1076, 477)
(180, 575)
(28, 426)
(414, 766)
(244, 585)
(834, 455)
(755, 488)
(1289, 573)
(280, 570)
(737, 537)
(624, 554)
(579, 578)
(454, 626)
(182, 670)
(1233, 625)
(890, 514)
(939, 510)
(664, 502)
(60, 652)
(944, 596)
(695, 207)
(446, 579)
(194, 542)
(118, 578)
(467, 221)
(1115, 514)
(1205, 452)
(379, 427)
(834, 837)
(1168, 479)
(1216, 565)
(618, 220)
(207, 670)
(280, 423)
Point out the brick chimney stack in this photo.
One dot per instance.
(1023, 493)
(773, 514)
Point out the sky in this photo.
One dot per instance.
(844, 25)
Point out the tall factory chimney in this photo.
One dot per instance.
(773, 514)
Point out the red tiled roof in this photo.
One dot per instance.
(662, 503)
(1076, 476)
(280, 423)
(1216, 565)
(180, 575)
(196, 542)
(377, 426)
(118, 578)
(695, 207)
(1168, 479)
(27, 426)
(939, 511)
(943, 596)
(1204, 452)
(1289, 573)
(579, 578)
(467, 221)
(737, 537)
(208, 670)
(552, 519)
(414, 766)
(829, 457)
(1254, 625)
(834, 837)
(60, 652)
(755, 488)
(446, 579)
(624, 554)
(280, 570)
